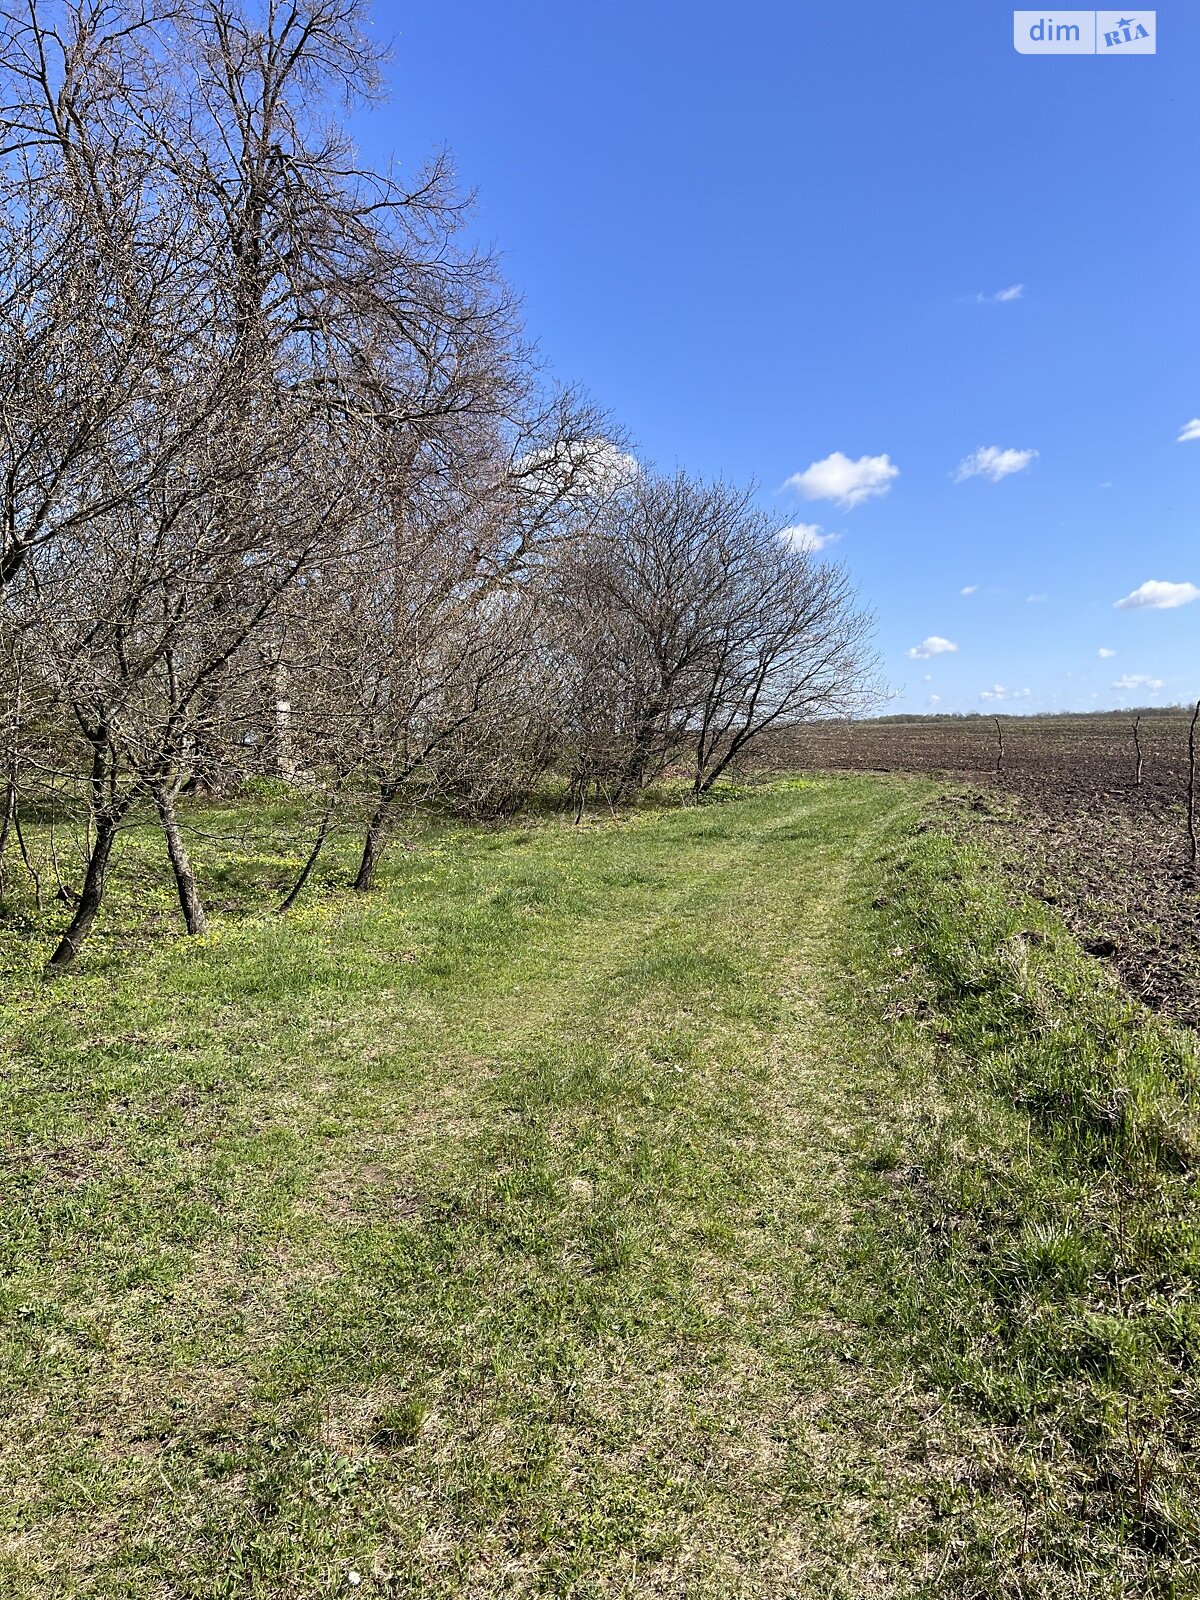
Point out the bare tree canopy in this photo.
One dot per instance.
(690, 627)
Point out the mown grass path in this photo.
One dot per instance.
(487, 1238)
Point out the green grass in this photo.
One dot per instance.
(1034, 1247)
(711, 1202)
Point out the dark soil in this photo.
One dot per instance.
(1067, 820)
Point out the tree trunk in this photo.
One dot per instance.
(322, 834)
(185, 878)
(376, 839)
(10, 808)
(578, 798)
(34, 875)
(90, 899)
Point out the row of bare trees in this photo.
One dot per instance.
(281, 489)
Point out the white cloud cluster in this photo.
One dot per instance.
(1002, 296)
(1137, 680)
(1155, 595)
(935, 645)
(1190, 431)
(847, 483)
(1105, 653)
(808, 536)
(990, 461)
(969, 588)
(999, 692)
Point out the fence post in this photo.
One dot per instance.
(1191, 811)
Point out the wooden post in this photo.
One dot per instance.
(1191, 811)
(999, 745)
(1137, 745)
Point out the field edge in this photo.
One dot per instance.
(1028, 1237)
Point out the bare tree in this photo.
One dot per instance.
(99, 292)
(103, 307)
(110, 384)
(469, 527)
(691, 628)
(159, 603)
(641, 599)
(184, 446)
(788, 645)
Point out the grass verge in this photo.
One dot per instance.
(1031, 1230)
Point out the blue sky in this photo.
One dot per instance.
(767, 234)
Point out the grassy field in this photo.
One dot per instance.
(736, 1201)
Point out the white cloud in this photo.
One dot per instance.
(847, 483)
(808, 536)
(1036, 599)
(935, 699)
(1105, 653)
(927, 677)
(583, 469)
(1190, 431)
(999, 692)
(933, 646)
(1001, 296)
(1137, 680)
(1158, 596)
(989, 461)
(969, 588)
